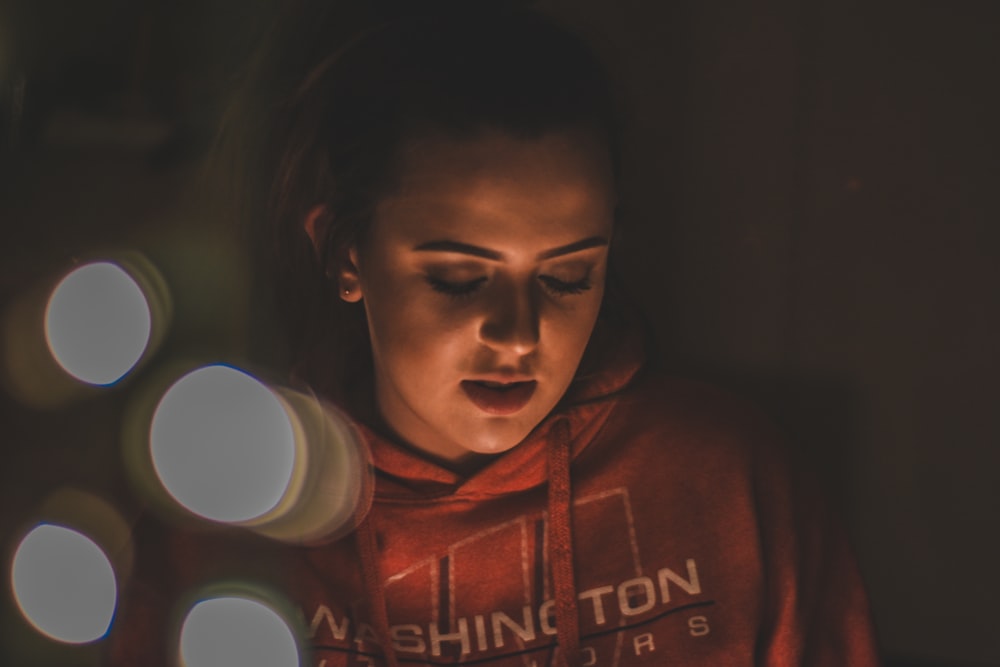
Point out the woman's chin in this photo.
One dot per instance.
(499, 440)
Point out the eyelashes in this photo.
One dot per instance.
(468, 288)
(457, 290)
(561, 288)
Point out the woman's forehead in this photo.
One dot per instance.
(562, 179)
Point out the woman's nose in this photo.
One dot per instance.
(511, 321)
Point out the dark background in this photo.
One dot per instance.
(811, 193)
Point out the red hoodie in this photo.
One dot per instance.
(656, 519)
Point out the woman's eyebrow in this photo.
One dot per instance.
(462, 248)
(585, 244)
(485, 253)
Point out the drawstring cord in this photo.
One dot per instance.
(374, 590)
(561, 545)
(560, 536)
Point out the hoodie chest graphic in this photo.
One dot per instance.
(487, 598)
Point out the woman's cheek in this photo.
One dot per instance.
(426, 326)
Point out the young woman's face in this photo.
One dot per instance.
(482, 277)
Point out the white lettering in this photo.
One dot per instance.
(547, 617)
(365, 634)
(640, 642)
(594, 595)
(635, 597)
(625, 596)
(481, 640)
(698, 626)
(500, 620)
(339, 631)
(691, 585)
(408, 638)
(461, 636)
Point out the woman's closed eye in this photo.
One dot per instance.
(467, 288)
(566, 288)
(455, 289)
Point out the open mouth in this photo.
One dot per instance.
(499, 386)
(499, 398)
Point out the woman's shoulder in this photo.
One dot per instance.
(667, 398)
(683, 417)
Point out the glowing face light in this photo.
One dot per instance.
(236, 632)
(64, 584)
(98, 323)
(222, 444)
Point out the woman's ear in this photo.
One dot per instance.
(345, 268)
(316, 226)
(348, 276)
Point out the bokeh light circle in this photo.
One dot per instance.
(64, 584)
(222, 444)
(236, 632)
(98, 323)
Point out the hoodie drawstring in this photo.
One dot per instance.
(374, 590)
(561, 545)
(560, 537)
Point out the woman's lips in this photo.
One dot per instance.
(498, 399)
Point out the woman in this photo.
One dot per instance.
(443, 210)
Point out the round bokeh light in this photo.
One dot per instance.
(222, 444)
(236, 632)
(64, 584)
(98, 323)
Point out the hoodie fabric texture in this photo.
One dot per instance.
(646, 521)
